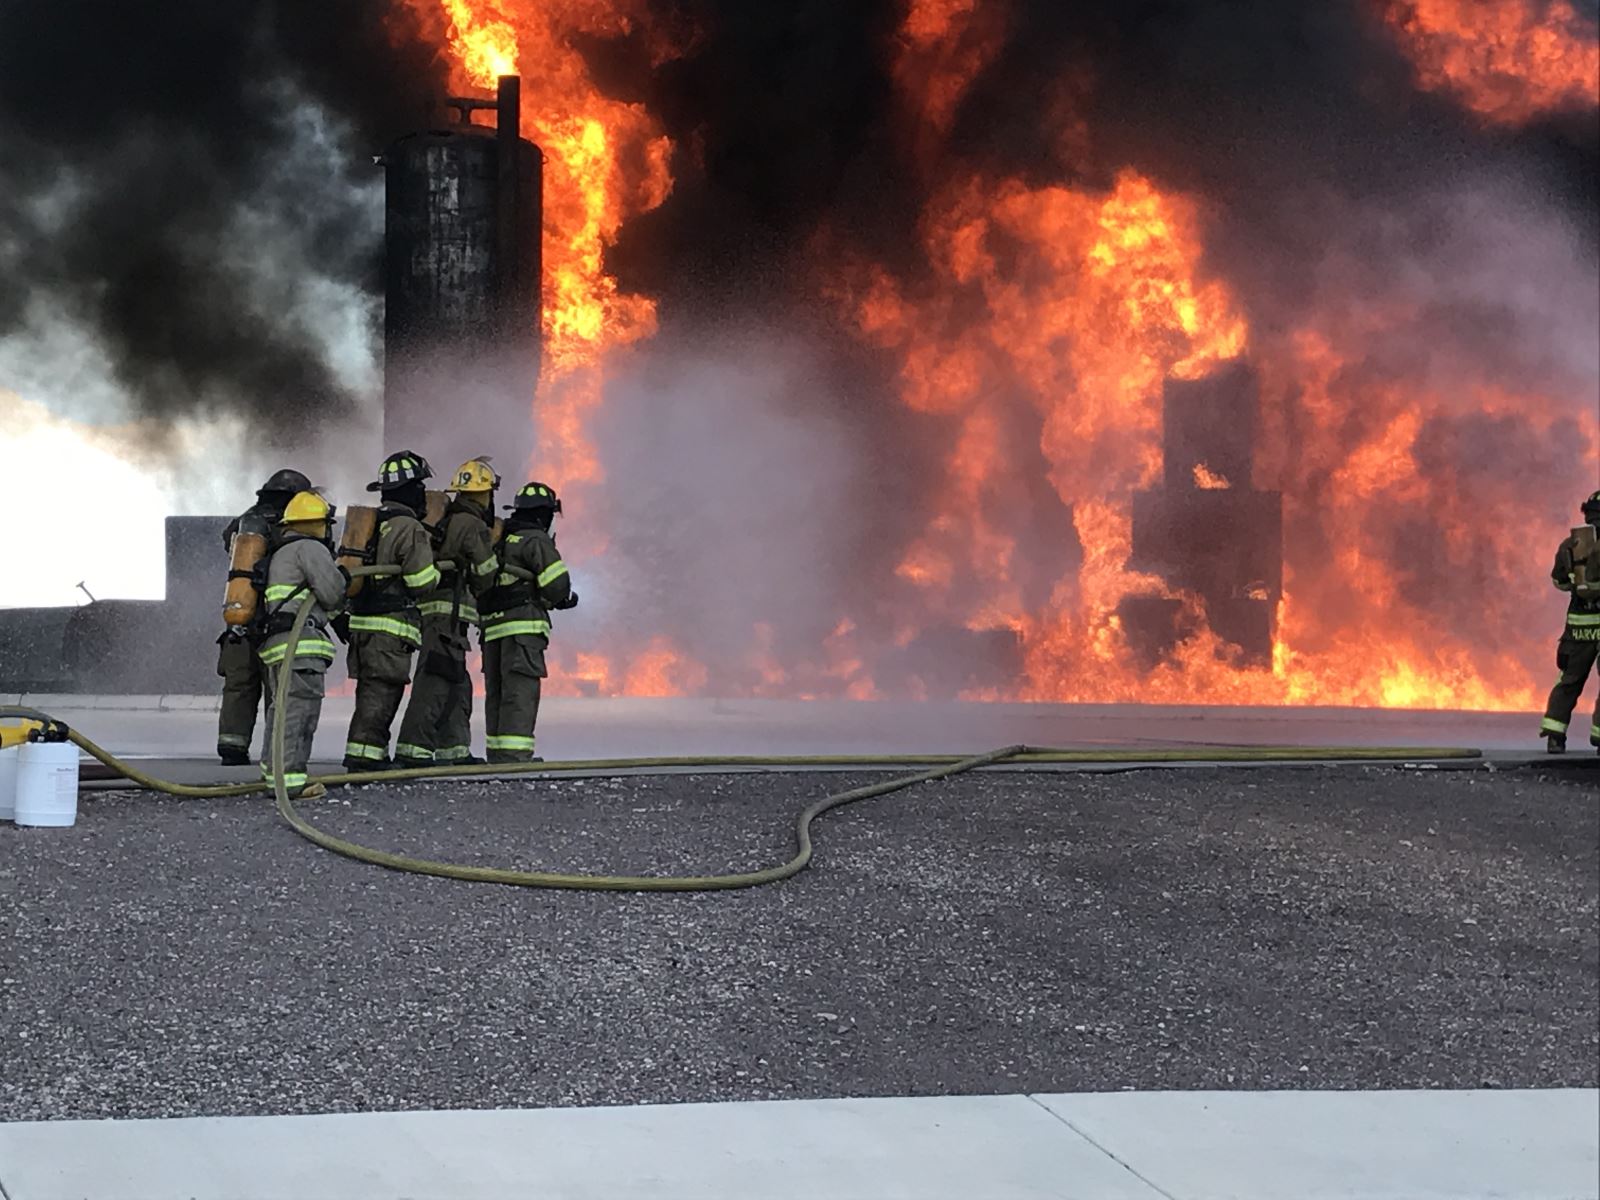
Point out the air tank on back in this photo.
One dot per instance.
(461, 287)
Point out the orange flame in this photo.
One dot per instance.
(1109, 308)
(1062, 311)
(605, 161)
(486, 48)
(944, 44)
(1079, 305)
(1510, 61)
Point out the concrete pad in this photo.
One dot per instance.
(611, 728)
(997, 1147)
(1511, 1145)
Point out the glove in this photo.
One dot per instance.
(341, 627)
(570, 602)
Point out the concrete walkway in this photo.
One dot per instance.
(185, 726)
(1523, 1145)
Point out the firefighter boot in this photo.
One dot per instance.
(1555, 743)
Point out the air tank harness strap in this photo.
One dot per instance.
(283, 622)
(503, 598)
(280, 618)
(458, 585)
(374, 602)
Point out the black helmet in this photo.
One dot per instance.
(1591, 508)
(535, 496)
(287, 481)
(399, 470)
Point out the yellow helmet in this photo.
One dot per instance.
(474, 475)
(307, 506)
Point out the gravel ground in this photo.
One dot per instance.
(1358, 927)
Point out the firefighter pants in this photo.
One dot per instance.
(513, 673)
(438, 721)
(300, 716)
(241, 693)
(1575, 659)
(380, 663)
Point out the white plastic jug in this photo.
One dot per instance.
(8, 781)
(47, 784)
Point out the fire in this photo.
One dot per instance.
(1068, 308)
(1039, 335)
(605, 161)
(1109, 306)
(1510, 61)
(486, 49)
(662, 670)
(1122, 307)
(944, 44)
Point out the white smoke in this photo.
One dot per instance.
(736, 495)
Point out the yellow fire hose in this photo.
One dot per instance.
(938, 767)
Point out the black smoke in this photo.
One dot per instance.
(787, 120)
(175, 170)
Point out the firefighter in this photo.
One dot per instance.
(1580, 641)
(301, 563)
(516, 622)
(237, 647)
(385, 626)
(437, 730)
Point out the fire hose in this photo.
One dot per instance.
(940, 766)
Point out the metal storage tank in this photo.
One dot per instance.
(461, 288)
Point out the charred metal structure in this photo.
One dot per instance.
(1206, 529)
(461, 272)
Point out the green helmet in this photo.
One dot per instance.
(402, 468)
(534, 496)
